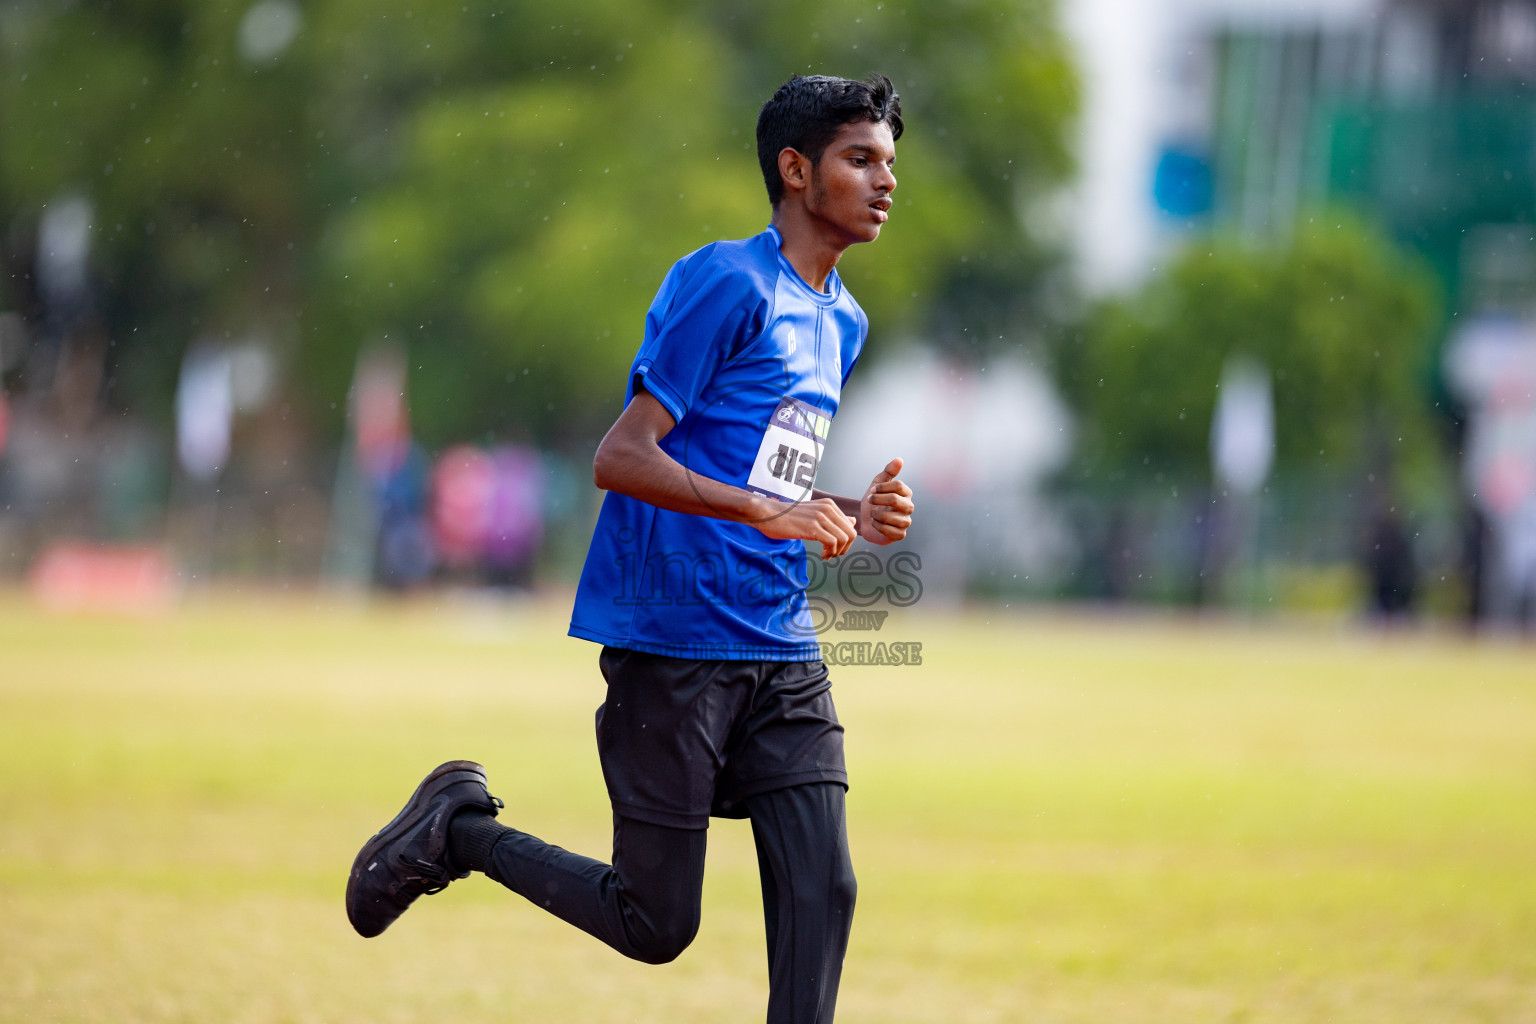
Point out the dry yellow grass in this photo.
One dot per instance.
(1054, 819)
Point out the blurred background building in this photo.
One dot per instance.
(1245, 118)
(1217, 302)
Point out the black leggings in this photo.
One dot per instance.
(646, 905)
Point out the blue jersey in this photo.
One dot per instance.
(750, 361)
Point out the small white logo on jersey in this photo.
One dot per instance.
(791, 341)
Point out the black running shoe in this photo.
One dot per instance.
(409, 856)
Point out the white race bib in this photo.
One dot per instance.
(790, 454)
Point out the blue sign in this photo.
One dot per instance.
(1183, 185)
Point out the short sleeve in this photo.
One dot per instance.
(701, 315)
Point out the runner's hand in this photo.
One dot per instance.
(817, 520)
(885, 511)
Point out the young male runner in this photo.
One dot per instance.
(718, 702)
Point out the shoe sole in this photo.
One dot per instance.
(444, 775)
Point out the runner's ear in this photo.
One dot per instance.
(794, 168)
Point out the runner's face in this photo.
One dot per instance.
(852, 183)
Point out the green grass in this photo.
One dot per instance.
(1054, 819)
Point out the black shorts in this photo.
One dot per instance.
(681, 740)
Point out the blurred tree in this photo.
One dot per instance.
(193, 157)
(1341, 317)
(544, 167)
(989, 91)
(499, 188)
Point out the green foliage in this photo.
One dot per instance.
(1340, 316)
(502, 189)
(198, 165)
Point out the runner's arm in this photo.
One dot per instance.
(884, 513)
(850, 506)
(630, 461)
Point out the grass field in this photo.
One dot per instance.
(1054, 819)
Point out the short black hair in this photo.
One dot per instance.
(807, 112)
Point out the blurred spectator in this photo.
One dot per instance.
(487, 512)
(516, 520)
(406, 555)
(1389, 562)
(1474, 554)
(1491, 365)
(381, 422)
(378, 501)
(461, 504)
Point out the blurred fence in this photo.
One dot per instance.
(1318, 544)
(1312, 545)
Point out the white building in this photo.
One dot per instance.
(1150, 97)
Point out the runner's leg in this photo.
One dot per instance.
(645, 905)
(808, 897)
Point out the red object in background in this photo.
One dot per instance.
(72, 576)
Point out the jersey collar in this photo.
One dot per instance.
(834, 283)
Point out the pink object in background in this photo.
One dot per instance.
(463, 483)
(516, 520)
(488, 507)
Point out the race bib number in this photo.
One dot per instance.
(790, 453)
